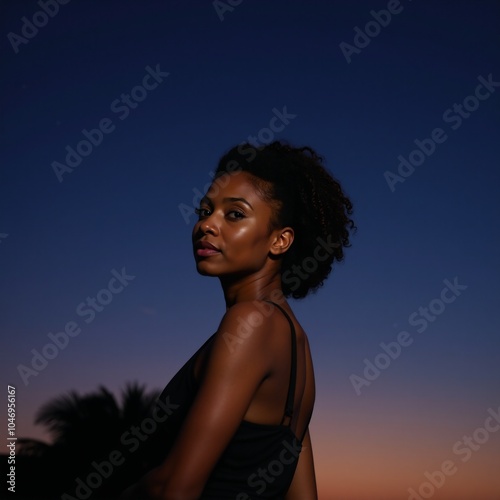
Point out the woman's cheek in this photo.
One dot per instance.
(241, 233)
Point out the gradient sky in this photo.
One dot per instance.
(121, 208)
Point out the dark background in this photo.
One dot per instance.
(127, 205)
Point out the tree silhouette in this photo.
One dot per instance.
(85, 430)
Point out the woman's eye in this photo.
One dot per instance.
(236, 214)
(201, 212)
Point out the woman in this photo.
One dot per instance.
(270, 226)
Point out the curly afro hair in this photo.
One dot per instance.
(304, 196)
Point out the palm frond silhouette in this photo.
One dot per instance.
(85, 429)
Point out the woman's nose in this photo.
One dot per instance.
(209, 225)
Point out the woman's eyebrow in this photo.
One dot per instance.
(238, 199)
(208, 200)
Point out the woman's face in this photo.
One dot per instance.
(232, 235)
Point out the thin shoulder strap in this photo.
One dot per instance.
(293, 368)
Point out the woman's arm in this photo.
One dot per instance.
(148, 488)
(303, 485)
(236, 367)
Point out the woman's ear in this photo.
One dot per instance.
(283, 239)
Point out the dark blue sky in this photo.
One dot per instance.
(121, 206)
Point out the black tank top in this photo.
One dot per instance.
(259, 461)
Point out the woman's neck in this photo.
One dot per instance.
(249, 288)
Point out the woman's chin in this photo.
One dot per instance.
(205, 270)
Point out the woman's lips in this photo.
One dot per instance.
(205, 249)
(205, 252)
